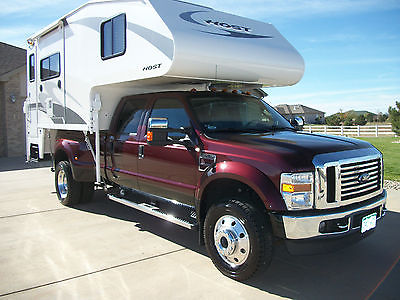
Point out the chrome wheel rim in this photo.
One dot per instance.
(231, 240)
(62, 184)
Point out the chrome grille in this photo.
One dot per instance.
(360, 178)
(347, 177)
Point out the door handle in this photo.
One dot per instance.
(111, 143)
(141, 152)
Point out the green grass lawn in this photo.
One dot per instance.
(391, 155)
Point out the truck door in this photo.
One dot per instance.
(51, 77)
(124, 144)
(170, 171)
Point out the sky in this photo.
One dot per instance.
(351, 48)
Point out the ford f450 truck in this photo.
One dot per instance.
(160, 103)
(228, 165)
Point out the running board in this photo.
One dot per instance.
(154, 211)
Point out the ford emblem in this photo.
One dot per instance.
(363, 177)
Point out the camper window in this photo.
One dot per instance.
(32, 67)
(50, 67)
(113, 37)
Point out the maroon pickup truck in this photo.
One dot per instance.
(232, 168)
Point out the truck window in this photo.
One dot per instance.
(172, 109)
(130, 117)
(50, 67)
(32, 67)
(113, 37)
(236, 113)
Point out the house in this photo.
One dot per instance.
(309, 115)
(12, 97)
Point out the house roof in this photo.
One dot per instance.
(286, 109)
(11, 58)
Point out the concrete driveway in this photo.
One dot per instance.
(103, 250)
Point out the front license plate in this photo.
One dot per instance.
(368, 222)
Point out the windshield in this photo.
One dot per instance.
(235, 113)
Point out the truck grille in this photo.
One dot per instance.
(342, 180)
(360, 179)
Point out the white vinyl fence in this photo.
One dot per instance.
(366, 130)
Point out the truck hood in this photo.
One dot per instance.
(299, 145)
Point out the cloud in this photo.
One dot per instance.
(338, 92)
(17, 35)
(28, 6)
(371, 99)
(354, 61)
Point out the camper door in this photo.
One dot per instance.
(30, 106)
(51, 78)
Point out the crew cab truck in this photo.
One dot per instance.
(193, 142)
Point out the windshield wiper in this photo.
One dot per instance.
(281, 128)
(241, 130)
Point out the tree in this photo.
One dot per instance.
(349, 120)
(360, 120)
(334, 120)
(369, 117)
(382, 117)
(394, 116)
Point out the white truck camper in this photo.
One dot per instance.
(80, 66)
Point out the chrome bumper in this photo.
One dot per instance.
(308, 226)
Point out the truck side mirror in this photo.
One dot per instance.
(297, 123)
(157, 132)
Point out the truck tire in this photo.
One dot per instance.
(87, 192)
(68, 190)
(238, 238)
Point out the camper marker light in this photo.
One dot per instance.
(297, 190)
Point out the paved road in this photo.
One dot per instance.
(103, 250)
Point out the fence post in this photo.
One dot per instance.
(309, 129)
(376, 130)
(341, 130)
(325, 129)
(358, 130)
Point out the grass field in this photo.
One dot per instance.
(391, 155)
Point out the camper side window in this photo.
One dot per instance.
(113, 37)
(32, 67)
(50, 67)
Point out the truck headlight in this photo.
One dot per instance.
(297, 190)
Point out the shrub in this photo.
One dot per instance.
(334, 120)
(360, 120)
(394, 116)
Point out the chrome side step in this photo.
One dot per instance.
(154, 211)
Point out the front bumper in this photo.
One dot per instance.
(339, 222)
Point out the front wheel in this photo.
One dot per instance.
(238, 238)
